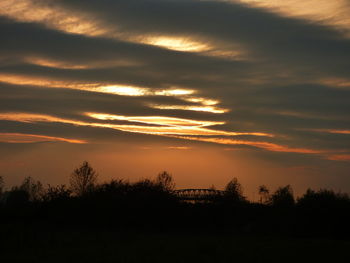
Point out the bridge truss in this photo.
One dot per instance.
(196, 195)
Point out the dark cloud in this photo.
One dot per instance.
(265, 35)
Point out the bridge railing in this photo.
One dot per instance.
(198, 194)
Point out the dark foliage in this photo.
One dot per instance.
(154, 205)
(283, 197)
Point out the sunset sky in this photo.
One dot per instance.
(207, 90)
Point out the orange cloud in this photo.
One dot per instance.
(32, 138)
(166, 127)
(171, 125)
(339, 131)
(203, 104)
(179, 147)
(339, 157)
(263, 145)
(333, 13)
(334, 131)
(52, 16)
(185, 129)
(211, 109)
(159, 120)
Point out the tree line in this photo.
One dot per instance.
(151, 203)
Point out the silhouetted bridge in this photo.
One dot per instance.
(198, 194)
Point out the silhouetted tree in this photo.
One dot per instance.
(83, 179)
(165, 180)
(323, 199)
(234, 190)
(34, 188)
(16, 197)
(264, 194)
(2, 184)
(283, 197)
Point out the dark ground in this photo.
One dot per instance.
(40, 243)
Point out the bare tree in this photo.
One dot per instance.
(83, 179)
(165, 180)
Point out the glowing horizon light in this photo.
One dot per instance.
(190, 108)
(176, 43)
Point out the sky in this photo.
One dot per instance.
(207, 90)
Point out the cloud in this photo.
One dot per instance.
(33, 138)
(198, 70)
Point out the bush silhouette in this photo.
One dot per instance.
(153, 204)
(56, 193)
(323, 200)
(283, 197)
(2, 184)
(16, 198)
(234, 191)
